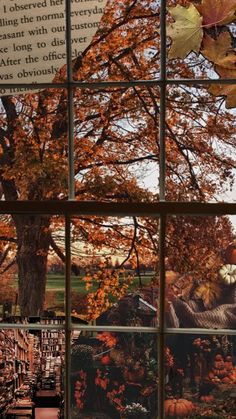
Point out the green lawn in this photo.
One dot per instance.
(56, 283)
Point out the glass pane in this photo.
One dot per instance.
(114, 375)
(32, 42)
(33, 150)
(114, 270)
(200, 40)
(117, 144)
(32, 281)
(31, 373)
(200, 272)
(200, 146)
(200, 376)
(126, 45)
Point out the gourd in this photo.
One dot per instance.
(228, 274)
(178, 408)
(229, 364)
(230, 253)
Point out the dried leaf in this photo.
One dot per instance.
(228, 90)
(219, 50)
(217, 12)
(186, 32)
(208, 292)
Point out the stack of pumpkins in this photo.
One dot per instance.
(228, 271)
(223, 371)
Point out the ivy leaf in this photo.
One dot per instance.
(208, 292)
(228, 90)
(217, 12)
(219, 50)
(186, 32)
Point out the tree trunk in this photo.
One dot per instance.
(33, 238)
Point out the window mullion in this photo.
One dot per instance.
(70, 93)
(68, 321)
(161, 318)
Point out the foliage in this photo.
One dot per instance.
(191, 32)
(186, 32)
(83, 355)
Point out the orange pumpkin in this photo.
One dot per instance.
(230, 254)
(105, 360)
(226, 380)
(218, 357)
(211, 375)
(181, 408)
(232, 376)
(207, 399)
(228, 363)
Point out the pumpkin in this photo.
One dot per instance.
(218, 357)
(105, 360)
(228, 363)
(232, 376)
(211, 375)
(230, 253)
(178, 408)
(207, 399)
(226, 380)
(228, 274)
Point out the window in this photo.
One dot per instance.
(117, 261)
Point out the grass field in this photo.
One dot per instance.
(56, 283)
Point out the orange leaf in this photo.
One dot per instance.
(217, 12)
(220, 50)
(228, 90)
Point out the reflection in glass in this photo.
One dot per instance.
(114, 374)
(115, 270)
(31, 372)
(200, 376)
(200, 272)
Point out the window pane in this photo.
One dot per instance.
(200, 272)
(32, 282)
(201, 370)
(114, 375)
(200, 40)
(115, 261)
(126, 45)
(33, 146)
(117, 144)
(200, 146)
(31, 372)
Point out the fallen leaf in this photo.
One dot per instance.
(228, 90)
(209, 293)
(217, 12)
(186, 32)
(219, 50)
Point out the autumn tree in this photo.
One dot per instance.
(116, 138)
